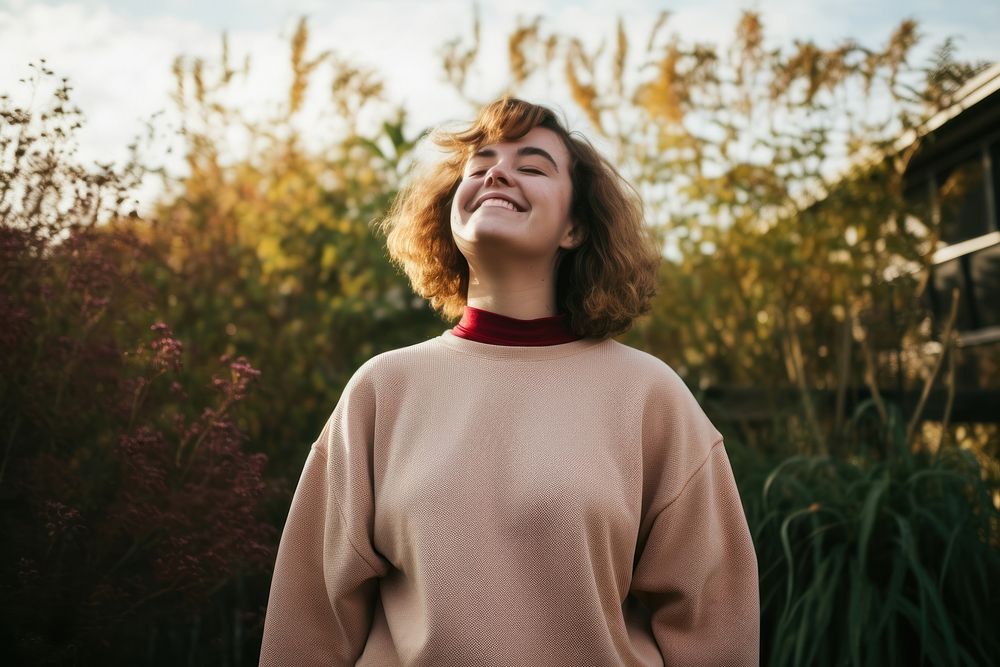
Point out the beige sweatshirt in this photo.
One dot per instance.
(474, 504)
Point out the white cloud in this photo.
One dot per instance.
(119, 68)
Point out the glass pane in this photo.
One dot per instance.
(985, 272)
(962, 198)
(984, 361)
(995, 168)
(947, 276)
(917, 197)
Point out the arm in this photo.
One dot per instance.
(325, 580)
(697, 573)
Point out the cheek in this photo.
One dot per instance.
(461, 198)
(465, 191)
(560, 202)
(568, 190)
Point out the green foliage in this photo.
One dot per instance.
(770, 174)
(266, 253)
(269, 252)
(264, 248)
(862, 563)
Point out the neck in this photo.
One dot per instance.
(522, 295)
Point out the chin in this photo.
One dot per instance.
(487, 228)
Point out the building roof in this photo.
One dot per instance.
(972, 92)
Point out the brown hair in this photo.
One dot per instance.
(603, 283)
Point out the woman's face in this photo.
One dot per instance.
(515, 196)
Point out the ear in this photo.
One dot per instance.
(575, 235)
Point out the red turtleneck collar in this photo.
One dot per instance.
(486, 327)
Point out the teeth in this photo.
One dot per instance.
(498, 202)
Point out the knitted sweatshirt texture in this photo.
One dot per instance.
(474, 504)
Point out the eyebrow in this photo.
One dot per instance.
(526, 150)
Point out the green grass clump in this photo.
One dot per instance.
(892, 562)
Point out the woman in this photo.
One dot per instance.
(523, 489)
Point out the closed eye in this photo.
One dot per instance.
(527, 170)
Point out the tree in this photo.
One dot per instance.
(269, 252)
(770, 176)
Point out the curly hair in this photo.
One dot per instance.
(603, 283)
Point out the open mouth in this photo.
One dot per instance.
(497, 202)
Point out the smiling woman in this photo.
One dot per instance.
(522, 489)
(510, 220)
(577, 245)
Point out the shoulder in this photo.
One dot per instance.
(392, 370)
(665, 393)
(676, 432)
(639, 358)
(651, 374)
(398, 360)
(376, 384)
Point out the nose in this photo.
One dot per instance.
(496, 174)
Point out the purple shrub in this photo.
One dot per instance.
(128, 508)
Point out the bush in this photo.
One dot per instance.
(874, 563)
(130, 513)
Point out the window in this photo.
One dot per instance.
(961, 196)
(918, 202)
(984, 269)
(947, 276)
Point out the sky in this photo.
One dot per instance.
(117, 53)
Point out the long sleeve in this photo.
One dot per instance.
(697, 572)
(325, 583)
